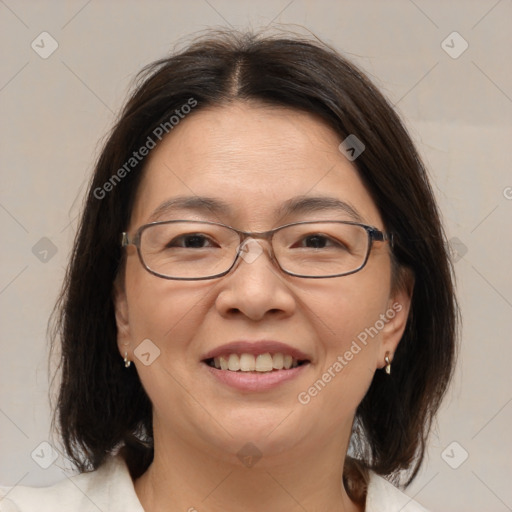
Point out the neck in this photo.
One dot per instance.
(186, 477)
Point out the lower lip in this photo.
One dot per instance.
(253, 381)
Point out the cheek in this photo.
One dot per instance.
(167, 313)
(163, 311)
(349, 311)
(347, 324)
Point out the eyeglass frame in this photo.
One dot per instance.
(374, 235)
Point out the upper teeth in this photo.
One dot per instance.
(250, 363)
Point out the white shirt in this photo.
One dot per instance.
(110, 489)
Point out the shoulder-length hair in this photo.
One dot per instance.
(101, 405)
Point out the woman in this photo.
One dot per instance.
(259, 287)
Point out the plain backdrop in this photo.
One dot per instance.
(457, 104)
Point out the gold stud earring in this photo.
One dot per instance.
(127, 362)
(388, 363)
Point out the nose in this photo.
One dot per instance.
(256, 287)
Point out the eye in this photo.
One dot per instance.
(192, 241)
(316, 241)
(319, 241)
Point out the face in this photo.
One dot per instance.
(254, 159)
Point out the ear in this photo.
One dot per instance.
(399, 305)
(122, 318)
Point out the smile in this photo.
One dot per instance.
(261, 363)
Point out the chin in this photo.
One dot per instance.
(257, 434)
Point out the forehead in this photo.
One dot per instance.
(252, 158)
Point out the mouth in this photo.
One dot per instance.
(255, 366)
(262, 356)
(266, 362)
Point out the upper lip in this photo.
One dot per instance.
(256, 347)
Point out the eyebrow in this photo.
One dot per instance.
(313, 204)
(199, 204)
(293, 206)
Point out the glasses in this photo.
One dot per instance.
(193, 250)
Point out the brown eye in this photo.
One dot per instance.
(318, 241)
(191, 241)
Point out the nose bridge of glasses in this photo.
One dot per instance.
(251, 246)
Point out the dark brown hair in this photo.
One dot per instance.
(101, 405)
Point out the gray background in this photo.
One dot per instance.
(56, 110)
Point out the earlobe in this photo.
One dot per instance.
(397, 315)
(122, 318)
